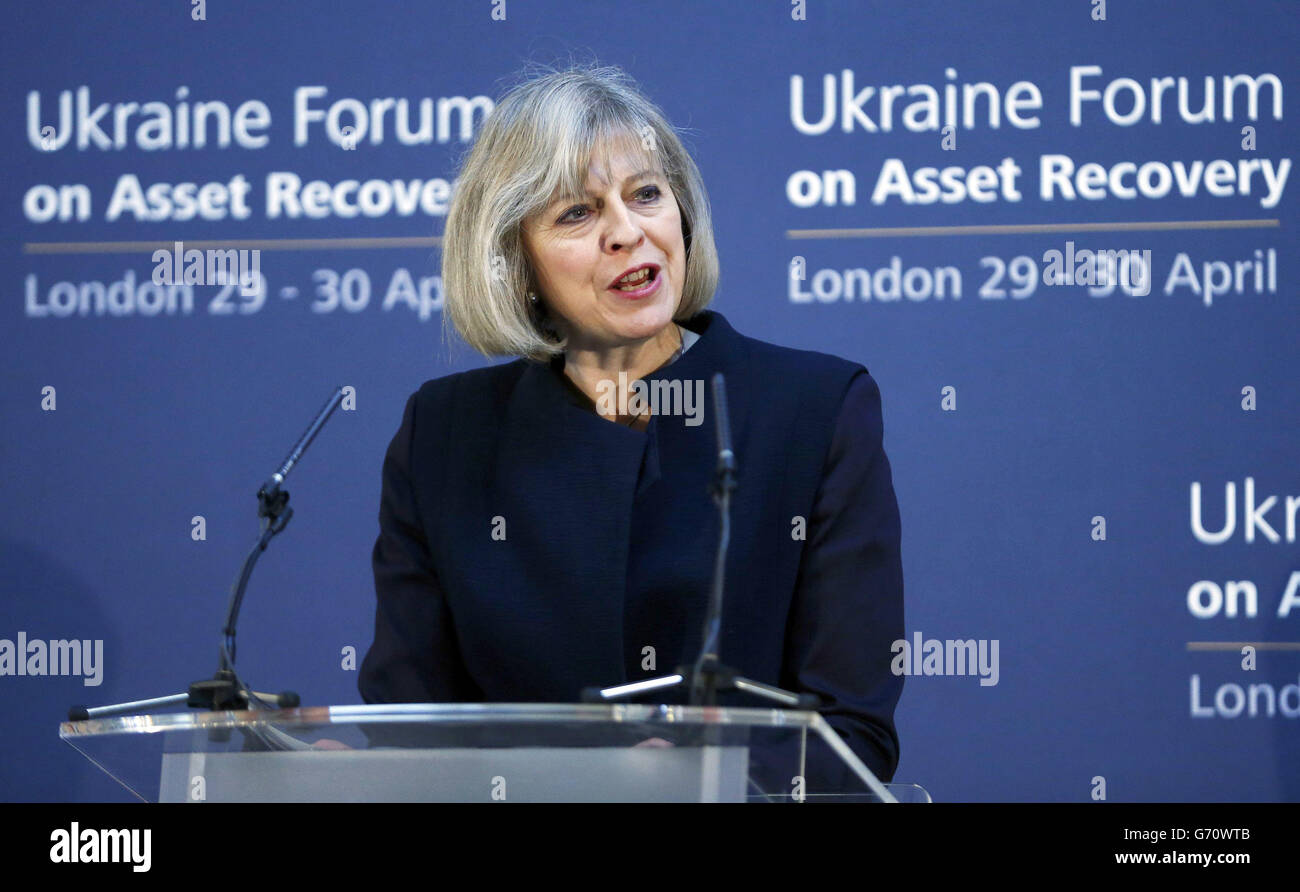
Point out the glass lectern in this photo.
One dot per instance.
(465, 752)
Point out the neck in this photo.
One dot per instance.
(588, 367)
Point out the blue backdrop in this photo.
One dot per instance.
(1046, 441)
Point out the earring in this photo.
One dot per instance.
(532, 298)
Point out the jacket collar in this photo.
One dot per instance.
(715, 350)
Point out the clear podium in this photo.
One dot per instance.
(470, 752)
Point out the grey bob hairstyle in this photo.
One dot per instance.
(534, 148)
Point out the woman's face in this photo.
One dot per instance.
(579, 247)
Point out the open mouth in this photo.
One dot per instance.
(636, 281)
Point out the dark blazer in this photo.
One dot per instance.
(605, 536)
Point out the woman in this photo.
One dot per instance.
(541, 530)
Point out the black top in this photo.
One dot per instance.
(529, 548)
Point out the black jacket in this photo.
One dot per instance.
(529, 548)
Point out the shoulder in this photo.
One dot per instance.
(461, 395)
(811, 378)
(775, 360)
(472, 386)
(802, 364)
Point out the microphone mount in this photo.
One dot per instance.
(709, 676)
(225, 690)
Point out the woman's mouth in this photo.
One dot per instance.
(642, 283)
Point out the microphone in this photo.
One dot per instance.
(726, 458)
(273, 505)
(271, 487)
(707, 673)
(225, 690)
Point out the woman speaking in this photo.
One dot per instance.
(546, 525)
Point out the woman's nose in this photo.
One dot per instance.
(623, 230)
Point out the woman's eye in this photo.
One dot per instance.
(650, 192)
